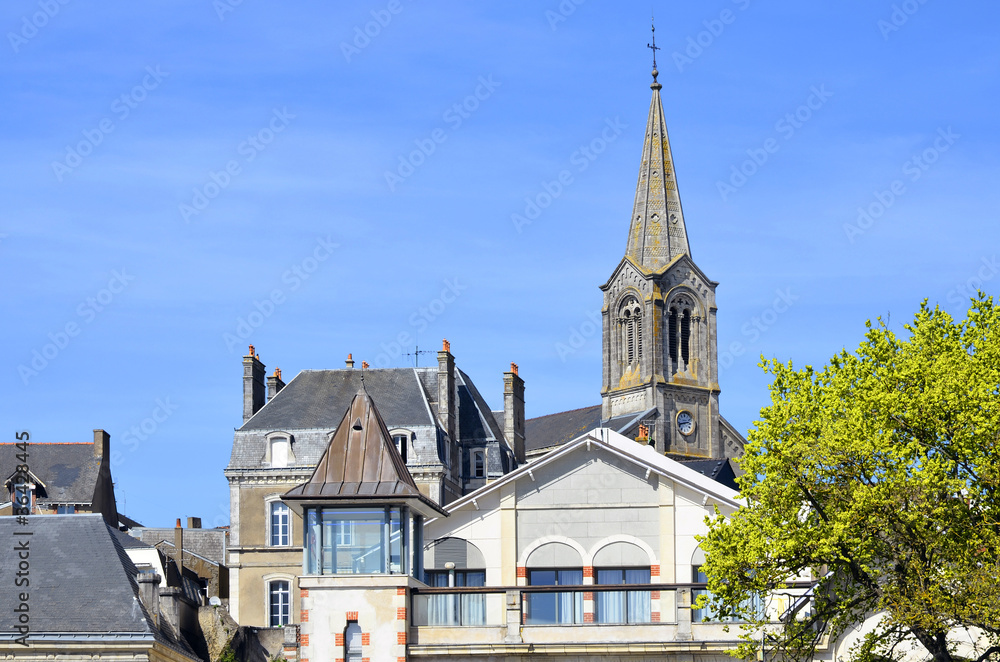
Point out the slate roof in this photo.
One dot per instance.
(318, 398)
(311, 405)
(558, 429)
(206, 543)
(82, 581)
(69, 471)
(720, 471)
(127, 541)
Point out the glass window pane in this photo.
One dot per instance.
(395, 542)
(312, 542)
(279, 524)
(352, 541)
(280, 603)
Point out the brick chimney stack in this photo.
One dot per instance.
(274, 384)
(513, 412)
(349, 362)
(447, 393)
(253, 384)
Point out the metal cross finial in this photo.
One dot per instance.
(653, 46)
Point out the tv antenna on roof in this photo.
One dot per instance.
(416, 355)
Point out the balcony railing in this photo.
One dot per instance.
(626, 604)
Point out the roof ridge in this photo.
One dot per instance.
(568, 411)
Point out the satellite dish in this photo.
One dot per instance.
(214, 601)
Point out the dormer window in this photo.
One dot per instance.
(279, 453)
(402, 441)
(23, 497)
(478, 464)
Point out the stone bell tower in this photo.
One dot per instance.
(660, 356)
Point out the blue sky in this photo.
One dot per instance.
(169, 170)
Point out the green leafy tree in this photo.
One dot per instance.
(877, 478)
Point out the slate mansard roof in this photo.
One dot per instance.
(315, 400)
(82, 582)
(69, 471)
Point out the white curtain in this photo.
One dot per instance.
(570, 604)
(474, 606)
(638, 601)
(630, 606)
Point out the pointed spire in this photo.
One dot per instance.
(657, 233)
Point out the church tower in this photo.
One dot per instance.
(659, 325)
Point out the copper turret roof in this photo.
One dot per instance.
(657, 233)
(360, 462)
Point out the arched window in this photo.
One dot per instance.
(455, 562)
(554, 564)
(680, 315)
(630, 332)
(352, 642)
(622, 563)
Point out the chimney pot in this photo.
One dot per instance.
(445, 345)
(350, 361)
(251, 351)
(364, 365)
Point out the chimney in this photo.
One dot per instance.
(350, 362)
(194, 522)
(170, 597)
(253, 384)
(274, 384)
(513, 412)
(179, 548)
(102, 444)
(149, 590)
(447, 405)
(364, 365)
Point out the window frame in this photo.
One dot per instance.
(474, 470)
(629, 619)
(276, 436)
(269, 506)
(285, 609)
(559, 607)
(402, 440)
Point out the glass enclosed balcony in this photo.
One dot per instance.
(356, 541)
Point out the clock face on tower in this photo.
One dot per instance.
(685, 422)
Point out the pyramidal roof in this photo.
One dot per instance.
(360, 462)
(657, 233)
